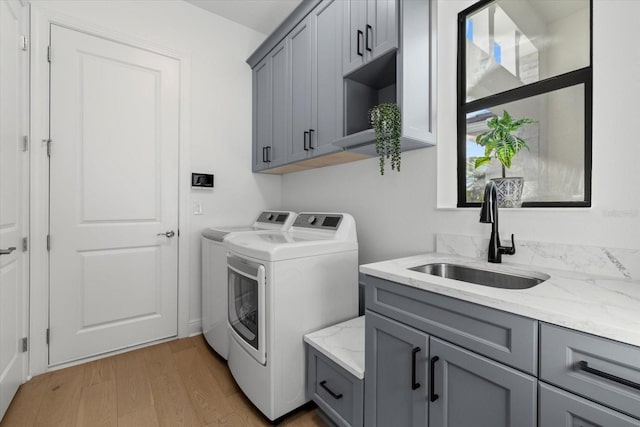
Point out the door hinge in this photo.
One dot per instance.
(48, 141)
(25, 143)
(24, 42)
(48, 336)
(48, 242)
(49, 53)
(25, 244)
(25, 344)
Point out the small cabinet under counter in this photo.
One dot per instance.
(335, 371)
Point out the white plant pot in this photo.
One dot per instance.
(509, 191)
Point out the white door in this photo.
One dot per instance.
(113, 193)
(13, 95)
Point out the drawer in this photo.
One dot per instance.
(338, 393)
(597, 368)
(561, 409)
(501, 336)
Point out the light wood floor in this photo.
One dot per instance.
(179, 383)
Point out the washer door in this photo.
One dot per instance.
(247, 305)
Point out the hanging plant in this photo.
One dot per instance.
(386, 122)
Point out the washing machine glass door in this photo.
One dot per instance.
(247, 305)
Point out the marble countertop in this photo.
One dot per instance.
(342, 343)
(603, 306)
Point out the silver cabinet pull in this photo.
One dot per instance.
(7, 251)
(169, 234)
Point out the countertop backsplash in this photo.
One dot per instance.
(600, 261)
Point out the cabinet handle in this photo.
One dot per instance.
(264, 154)
(359, 43)
(414, 384)
(369, 30)
(331, 392)
(305, 141)
(584, 366)
(311, 131)
(432, 383)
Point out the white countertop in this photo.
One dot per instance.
(342, 343)
(603, 306)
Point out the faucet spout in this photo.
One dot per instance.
(489, 214)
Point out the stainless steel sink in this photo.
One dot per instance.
(477, 276)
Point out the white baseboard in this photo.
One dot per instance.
(195, 327)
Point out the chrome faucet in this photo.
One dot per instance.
(489, 214)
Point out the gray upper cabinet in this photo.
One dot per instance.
(470, 391)
(370, 31)
(396, 379)
(270, 109)
(326, 78)
(300, 40)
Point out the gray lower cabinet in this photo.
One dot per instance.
(412, 377)
(337, 392)
(396, 379)
(472, 391)
(561, 409)
(271, 109)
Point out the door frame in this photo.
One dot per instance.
(41, 20)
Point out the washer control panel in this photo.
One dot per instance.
(318, 221)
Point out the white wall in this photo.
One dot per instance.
(220, 101)
(399, 214)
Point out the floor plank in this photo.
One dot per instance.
(179, 383)
(133, 387)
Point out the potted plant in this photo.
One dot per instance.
(386, 122)
(501, 143)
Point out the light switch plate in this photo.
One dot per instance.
(197, 207)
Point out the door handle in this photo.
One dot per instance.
(7, 251)
(366, 37)
(432, 383)
(304, 140)
(584, 366)
(414, 384)
(359, 43)
(168, 234)
(333, 394)
(311, 131)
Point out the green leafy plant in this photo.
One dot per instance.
(386, 122)
(499, 142)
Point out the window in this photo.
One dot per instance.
(533, 59)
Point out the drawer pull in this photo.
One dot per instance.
(333, 394)
(432, 383)
(414, 384)
(584, 366)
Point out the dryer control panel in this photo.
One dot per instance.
(318, 221)
(273, 217)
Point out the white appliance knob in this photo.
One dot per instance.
(269, 217)
(312, 219)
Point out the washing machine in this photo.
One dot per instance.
(283, 285)
(214, 273)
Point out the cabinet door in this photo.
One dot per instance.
(270, 109)
(381, 32)
(355, 20)
(474, 391)
(561, 409)
(326, 104)
(396, 378)
(300, 40)
(261, 113)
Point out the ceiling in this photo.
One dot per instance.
(261, 15)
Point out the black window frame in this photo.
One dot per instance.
(582, 76)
